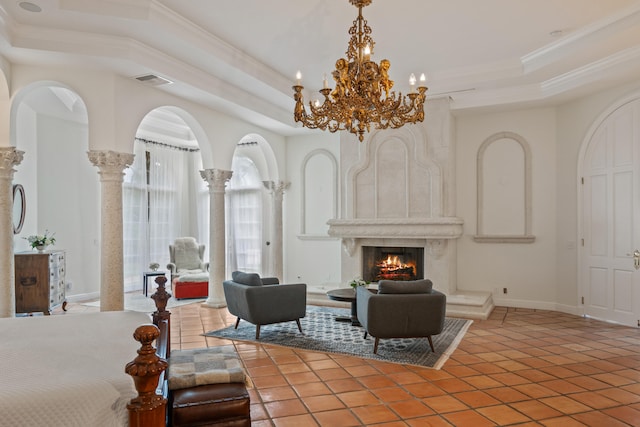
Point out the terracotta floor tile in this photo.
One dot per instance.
(535, 391)
(444, 404)
(424, 389)
(295, 421)
(563, 422)
(565, 404)
(331, 374)
(341, 386)
(353, 399)
(453, 385)
(507, 394)
(620, 395)
(375, 414)
(361, 370)
(624, 413)
(561, 386)
(277, 393)
(285, 408)
(258, 412)
(301, 378)
(598, 419)
(536, 410)
(269, 381)
(595, 400)
(376, 381)
(410, 409)
(293, 368)
(322, 403)
(430, 421)
(476, 399)
(468, 418)
(503, 415)
(482, 382)
(406, 377)
(337, 418)
(311, 389)
(391, 394)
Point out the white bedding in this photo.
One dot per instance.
(67, 370)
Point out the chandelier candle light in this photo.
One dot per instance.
(357, 100)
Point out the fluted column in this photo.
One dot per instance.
(277, 190)
(217, 180)
(9, 157)
(111, 167)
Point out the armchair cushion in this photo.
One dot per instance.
(187, 255)
(249, 279)
(422, 286)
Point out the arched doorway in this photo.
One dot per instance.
(164, 196)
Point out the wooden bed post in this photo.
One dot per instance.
(148, 409)
(160, 297)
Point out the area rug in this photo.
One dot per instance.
(321, 332)
(138, 302)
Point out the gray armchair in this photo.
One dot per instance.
(401, 309)
(186, 257)
(263, 301)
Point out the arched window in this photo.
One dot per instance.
(244, 217)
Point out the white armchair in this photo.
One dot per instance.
(186, 257)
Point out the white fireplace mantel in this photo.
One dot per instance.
(399, 228)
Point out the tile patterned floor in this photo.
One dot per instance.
(520, 367)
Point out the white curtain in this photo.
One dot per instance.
(244, 217)
(158, 206)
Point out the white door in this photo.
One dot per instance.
(611, 219)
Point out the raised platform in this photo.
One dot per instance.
(467, 304)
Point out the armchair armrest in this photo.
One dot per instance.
(172, 268)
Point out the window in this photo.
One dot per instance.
(244, 217)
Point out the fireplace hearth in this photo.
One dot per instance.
(392, 263)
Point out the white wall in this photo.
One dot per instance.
(528, 271)
(315, 262)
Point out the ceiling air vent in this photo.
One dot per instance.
(153, 80)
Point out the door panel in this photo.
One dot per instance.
(611, 204)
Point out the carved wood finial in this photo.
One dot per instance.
(148, 408)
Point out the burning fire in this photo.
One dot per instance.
(394, 268)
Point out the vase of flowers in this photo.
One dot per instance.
(41, 241)
(154, 266)
(358, 281)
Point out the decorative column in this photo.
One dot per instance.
(9, 157)
(277, 190)
(110, 168)
(217, 180)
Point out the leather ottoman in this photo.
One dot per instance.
(210, 405)
(191, 286)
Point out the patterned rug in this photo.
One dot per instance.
(323, 333)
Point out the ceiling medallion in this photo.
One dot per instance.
(362, 95)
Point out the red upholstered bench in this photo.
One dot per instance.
(191, 286)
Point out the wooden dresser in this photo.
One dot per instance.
(40, 281)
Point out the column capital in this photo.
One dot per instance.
(111, 164)
(9, 157)
(277, 187)
(216, 178)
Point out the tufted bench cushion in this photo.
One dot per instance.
(207, 388)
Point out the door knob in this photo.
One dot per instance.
(636, 259)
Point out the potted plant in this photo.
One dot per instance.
(154, 266)
(41, 241)
(358, 281)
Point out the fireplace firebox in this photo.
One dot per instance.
(392, 263)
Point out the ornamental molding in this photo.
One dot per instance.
(400, 228)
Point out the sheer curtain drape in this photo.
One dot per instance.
(244, 217)
(159, 205)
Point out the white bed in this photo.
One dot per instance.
(67, 370)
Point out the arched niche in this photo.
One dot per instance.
(319, 198)
(504, 190)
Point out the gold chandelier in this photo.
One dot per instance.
(357, 100)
